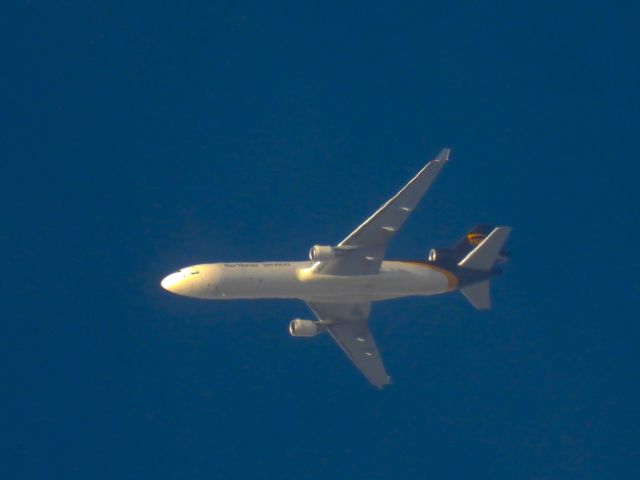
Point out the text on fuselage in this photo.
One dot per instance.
(257, 265)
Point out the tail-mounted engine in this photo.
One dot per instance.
(305, 328)
(471, 241)
(446, 255)
(441, 255)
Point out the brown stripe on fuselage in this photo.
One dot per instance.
(452, 280)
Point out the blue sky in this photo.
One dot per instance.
(140, 138)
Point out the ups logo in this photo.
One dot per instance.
(475, 238)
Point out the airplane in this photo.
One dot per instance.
(339, 283)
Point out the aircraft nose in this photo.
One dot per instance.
(171, 281)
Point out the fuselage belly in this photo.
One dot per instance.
(227, 281)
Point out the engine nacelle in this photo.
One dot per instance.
(304, 328)
(440, 254)
(319, 253)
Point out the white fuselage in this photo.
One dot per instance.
(227, 281)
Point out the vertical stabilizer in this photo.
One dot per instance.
(478, 295)
(484, 256)
(472, 239)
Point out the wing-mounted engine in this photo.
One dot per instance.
(320, 253)
(323, 253)
(305, 328)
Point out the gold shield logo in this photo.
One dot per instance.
(475, 238)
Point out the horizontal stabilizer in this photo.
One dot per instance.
(484, 256)
(478, 295)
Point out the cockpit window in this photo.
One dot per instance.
(188, 271)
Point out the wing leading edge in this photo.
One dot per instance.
(348, 325)
(364, 248)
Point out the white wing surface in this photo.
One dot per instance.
(348, 325)
(363, 250)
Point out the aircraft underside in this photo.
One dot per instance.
(227, 281)
(340, 282)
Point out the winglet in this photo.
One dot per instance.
(443, 156)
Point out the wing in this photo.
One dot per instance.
(347, 324)
(363, 250)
